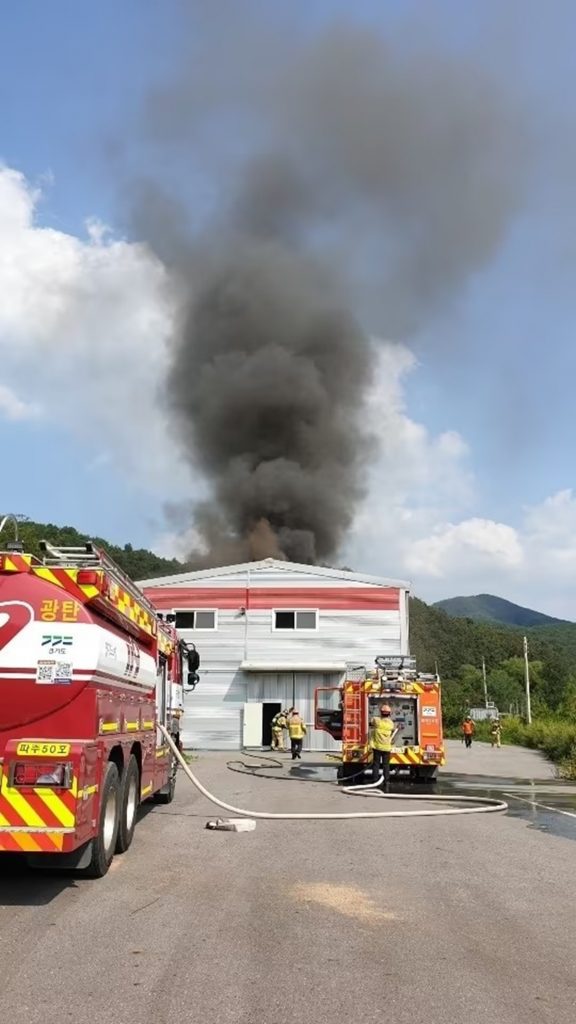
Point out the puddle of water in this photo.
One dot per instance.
(547, 805)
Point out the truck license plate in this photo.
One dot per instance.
(31, 749)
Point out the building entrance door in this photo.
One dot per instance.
(269, 710)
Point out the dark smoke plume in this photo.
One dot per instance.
(342, 175)
(268, 382)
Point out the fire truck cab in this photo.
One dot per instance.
(346, 711)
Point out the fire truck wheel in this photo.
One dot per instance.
(349, 771)
(104, 844)
(129, 799)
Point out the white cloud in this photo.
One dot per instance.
(87, 321)
(550, 530)
(14, 408)
(473, 542)
(553, 523)
(418, 521)
(533, 564)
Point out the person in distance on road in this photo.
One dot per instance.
(297, 732)
(381, 740)
(468, 730)
(496, 733)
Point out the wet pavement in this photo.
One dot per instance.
(547, 804)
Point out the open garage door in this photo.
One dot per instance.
(291, 689)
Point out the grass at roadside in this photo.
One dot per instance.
(555, 737)
(189, 756)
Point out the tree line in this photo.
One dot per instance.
(455, 648)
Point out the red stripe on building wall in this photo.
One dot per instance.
(345, 599)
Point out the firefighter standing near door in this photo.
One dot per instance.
(278, 725)
(297, 732)
(382, 738)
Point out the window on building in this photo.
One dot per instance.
(295, 619)
(197, 619)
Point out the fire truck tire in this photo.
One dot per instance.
(129, 800)
(347, 772)
(104, 844)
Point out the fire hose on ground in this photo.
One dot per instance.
(482, 805)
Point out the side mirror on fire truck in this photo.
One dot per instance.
(191, 681)
(193, 658)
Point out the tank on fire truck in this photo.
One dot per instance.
(346, 712)
(88, 671)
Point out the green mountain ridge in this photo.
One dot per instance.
(138, 563)
(456, 647)
(488, 608)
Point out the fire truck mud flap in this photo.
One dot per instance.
(77, 860)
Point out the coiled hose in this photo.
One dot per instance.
(483, 804)
(256, 771)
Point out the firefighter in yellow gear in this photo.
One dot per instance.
(381, 740)
(297, 732)
(496, 733)
(278, 724)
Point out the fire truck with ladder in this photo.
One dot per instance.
(346, 712)
(88, 670)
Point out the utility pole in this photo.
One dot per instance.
(527, 678)
(485, 683)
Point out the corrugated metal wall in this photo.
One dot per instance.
(213, 712)
(295, 689)
(342, 636)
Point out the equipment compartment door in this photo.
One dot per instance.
(404, 714)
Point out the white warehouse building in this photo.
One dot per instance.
(268, 634)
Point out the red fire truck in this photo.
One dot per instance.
(346, 711)
(88, 670)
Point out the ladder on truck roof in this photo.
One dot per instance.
(88, 556)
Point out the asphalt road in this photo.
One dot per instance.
(460, 920)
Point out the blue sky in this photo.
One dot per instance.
(496, 365)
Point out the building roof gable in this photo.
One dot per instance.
(201, 576)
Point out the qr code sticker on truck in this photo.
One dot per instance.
(45, 672)
(63, 673)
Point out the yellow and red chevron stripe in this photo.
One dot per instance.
(116, 596)
(35, 820)
(165, 643)
(31, 842)
(15, 563)
(424, 687)
(407, 756)
(132, 609)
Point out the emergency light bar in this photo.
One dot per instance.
(396, 661)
